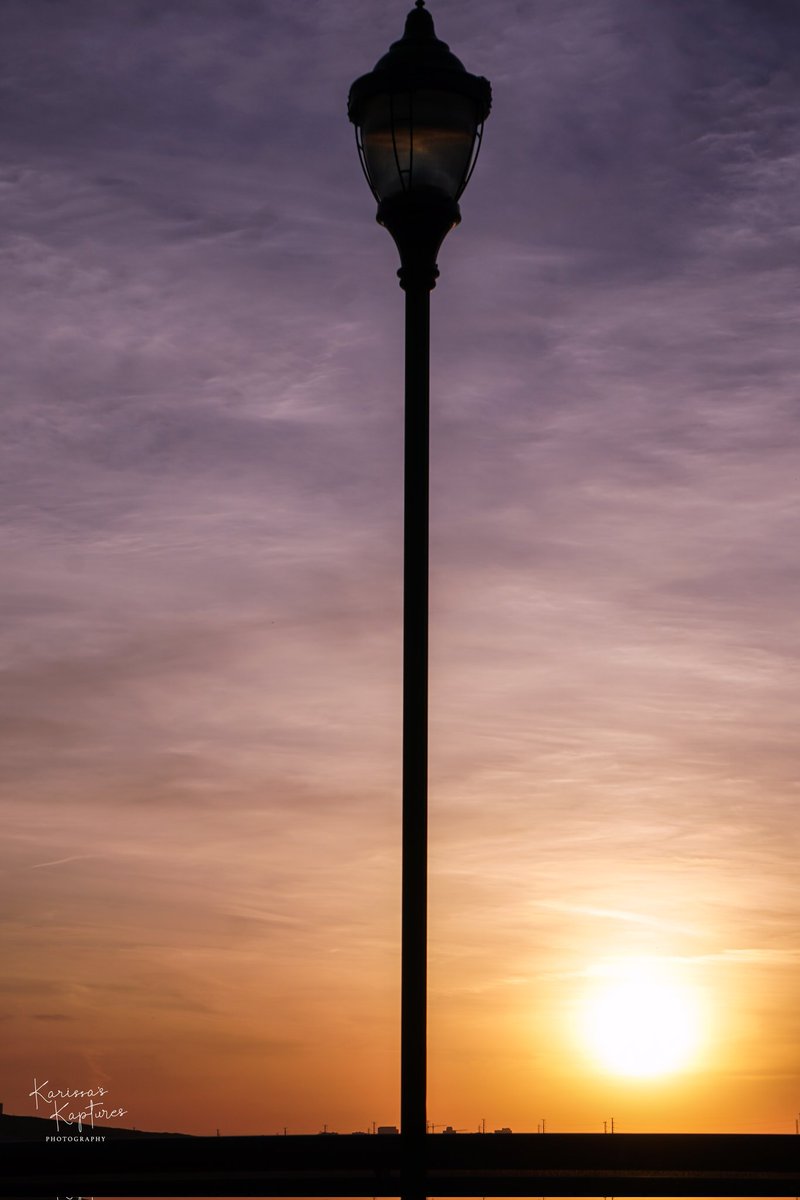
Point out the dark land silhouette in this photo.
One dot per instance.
(132, 1163)
(37, 1129)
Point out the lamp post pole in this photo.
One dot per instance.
(414, 955)
(418, 226)
(418, 230)
(419, 117)
(414, 951)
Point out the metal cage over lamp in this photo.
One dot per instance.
(419, 121)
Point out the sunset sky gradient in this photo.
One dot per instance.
(201, 350)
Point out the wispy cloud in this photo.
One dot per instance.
(611, 914)
(56, 862)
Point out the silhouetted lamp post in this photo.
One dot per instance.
(419, 118)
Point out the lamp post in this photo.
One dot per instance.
(419, 119)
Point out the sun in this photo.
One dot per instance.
(641, 1020)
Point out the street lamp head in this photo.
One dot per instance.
(419, 120)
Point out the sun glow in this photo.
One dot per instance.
(641, 1019)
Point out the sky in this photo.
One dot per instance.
(201, 542)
